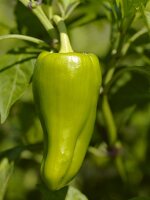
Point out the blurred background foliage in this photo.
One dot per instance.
(118, 33)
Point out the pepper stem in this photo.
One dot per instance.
(65, 45)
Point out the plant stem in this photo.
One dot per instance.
(23, 37)
(109, 75)
(108, 116)
(121, 168)
(64, 39)
(72, 7)
(132, 39)
(109, 121)
(42, 17)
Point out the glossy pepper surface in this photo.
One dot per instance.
(66, 88)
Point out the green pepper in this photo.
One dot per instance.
(66, 89)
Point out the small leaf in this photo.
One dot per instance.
(75, 194)
(53, 195)
(6, 170)
(129, 7)
(71, 8)
(146, 15)
(15, 74)
(66, 193)
(67, 3)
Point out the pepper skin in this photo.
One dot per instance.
(66, 89)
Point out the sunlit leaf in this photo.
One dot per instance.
(146, 15)
(7, 20)
(6, 170)
(74, 194)
(15, 74)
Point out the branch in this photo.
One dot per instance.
(24, 37)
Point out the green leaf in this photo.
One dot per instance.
(7, 20)
(71, 7)
(15, 74)
(53, 195)
(128, 7)
(66, 193)
(75, 194)
(6, 170)
(146, 15)
(67, 3)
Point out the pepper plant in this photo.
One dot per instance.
(82, 118)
